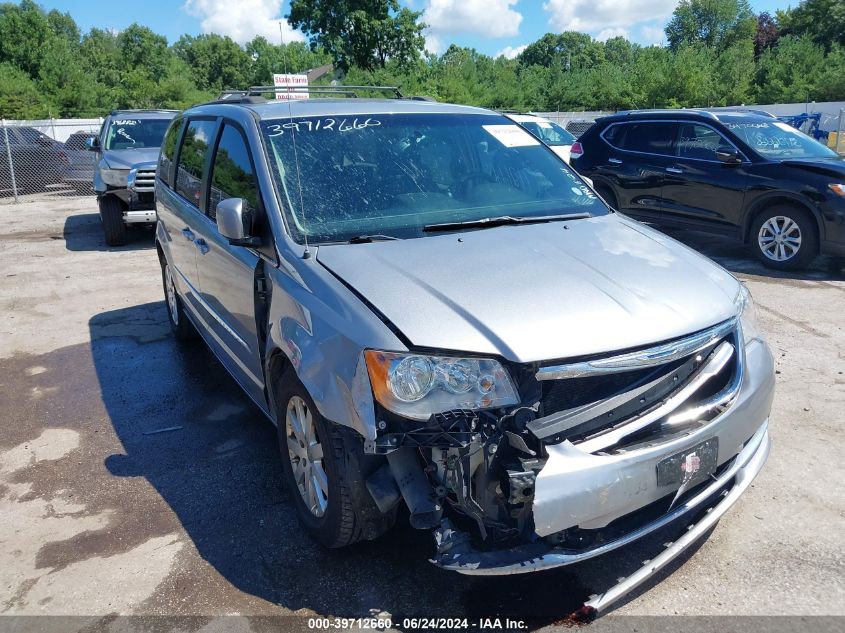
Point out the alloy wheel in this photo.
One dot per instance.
(779, 238)
(172, 302)
(306, 456)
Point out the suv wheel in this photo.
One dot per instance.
(608, 196)
(784, 238)
(111, 215)
(182, 328)
(317, 471)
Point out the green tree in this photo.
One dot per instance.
(20, 98)
(142, 50)
(215, 62)
(822, 20)
(571, 49)
(363, 33)
(714, 23)
(24, 31)
(791, 72)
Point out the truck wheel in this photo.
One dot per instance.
(111, 215)
(319, 474)
(785, 238)
(182, 327)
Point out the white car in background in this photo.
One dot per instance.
(548, 132)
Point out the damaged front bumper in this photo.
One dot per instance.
(731, 483)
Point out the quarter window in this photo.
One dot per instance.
(168, 150)
(190, 173)
(700, 141)
(649, 137)
(232, 175)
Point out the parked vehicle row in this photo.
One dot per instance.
(436, 311)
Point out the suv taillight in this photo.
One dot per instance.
(576, 151)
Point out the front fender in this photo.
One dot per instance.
(322, 329)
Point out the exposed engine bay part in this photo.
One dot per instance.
(416, 490)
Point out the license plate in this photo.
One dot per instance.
(694, 464)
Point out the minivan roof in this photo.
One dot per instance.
(342, 107)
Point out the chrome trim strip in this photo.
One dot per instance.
(745, 467)
(658, 355)
(717, 362)
(211, 311)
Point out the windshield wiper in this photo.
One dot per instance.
(366, 239)
(502, 220)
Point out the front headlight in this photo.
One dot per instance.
(748, 316)
(416, 386)
(115, 177)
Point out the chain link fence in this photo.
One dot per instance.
(46, 159)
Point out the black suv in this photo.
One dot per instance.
(738, 173)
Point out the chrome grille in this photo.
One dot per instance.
(145, 180)
(620, 402)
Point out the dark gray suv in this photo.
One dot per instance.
(435, 311)
(124, 173)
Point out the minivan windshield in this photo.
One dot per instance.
(131, 133)
(777, 140)
(548, 132)
(392, 175)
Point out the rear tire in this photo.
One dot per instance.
(314, 448)
(111, 215)
(784, 237)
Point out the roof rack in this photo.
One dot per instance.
(348, 91)
(746, 111)
(119, 110)
(667, 111)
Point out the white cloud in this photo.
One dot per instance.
(510, 51)
(652, 35)
(614, 31)
(600, 16)
(433, 44)
(242, 20)
(488, 18)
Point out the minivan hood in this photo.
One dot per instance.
(538, 292)
(129, 158)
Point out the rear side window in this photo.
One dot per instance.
(190, 173)
(649, 137)
(232, 175)
(168, 151)
(700, 141)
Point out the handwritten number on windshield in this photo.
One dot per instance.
(328, 124)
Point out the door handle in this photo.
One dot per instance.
(615, 161)
(674, 170)
(188, 234)
(202, 245)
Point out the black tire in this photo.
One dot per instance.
(111, 215)
(800, 229)
(180, 324)
(608, 196)
(343, 521)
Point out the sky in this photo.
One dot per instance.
(493, 27)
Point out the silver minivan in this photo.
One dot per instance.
(436, 312)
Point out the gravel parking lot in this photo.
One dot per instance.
(136, 478)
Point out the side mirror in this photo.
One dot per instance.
(728, 156)
(234, 223)
(92, 143)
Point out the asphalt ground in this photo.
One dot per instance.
(136, 478)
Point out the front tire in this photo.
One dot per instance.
(785, 238)
(181, 326)
(111, 215)
(319, 473)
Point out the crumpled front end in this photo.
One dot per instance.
(600, 452)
